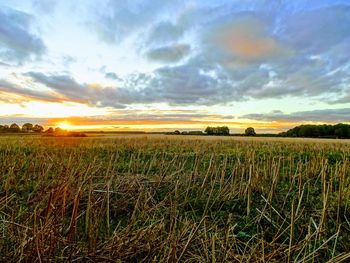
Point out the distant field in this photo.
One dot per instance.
(167, 198)
(220, 138)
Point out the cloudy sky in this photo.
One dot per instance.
(168, 64)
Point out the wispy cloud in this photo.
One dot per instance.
(325, 115)
(169, 53)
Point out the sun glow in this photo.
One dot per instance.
(65, 125)
(49, 109)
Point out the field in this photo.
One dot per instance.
(154, 198)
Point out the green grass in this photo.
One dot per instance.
(173, 199)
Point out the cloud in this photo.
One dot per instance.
(128, 117)
(274, 55)
(254, 49)
(125, 117)
(234, 51)
(68, 89)
(17, 41)
(324, 115)
(62, 84)
(2, 64)
(317, 30)
(116, 20)
(247, 38)
(10, 88)
(179, 85)
(342, 99)
(186, 84)
(165, 32)
(112, 75)
(45, 6)
(169, 53)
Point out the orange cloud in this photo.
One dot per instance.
(248, 39)
(125, 123)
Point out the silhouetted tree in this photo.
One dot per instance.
(49, 130)
(14, 128)
(220, 130)
(4, 128)
(250, 131)
(224, 130)
(38, 128)
(209, 130)
(195, 133)
(177, 132)
(27, 127)
(339, 130)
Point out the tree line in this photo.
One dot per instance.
(27, 127)
(340, 131)
(215, 131)
(30, 128)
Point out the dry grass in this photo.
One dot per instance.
(174, 199)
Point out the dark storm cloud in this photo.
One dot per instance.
(17, 42)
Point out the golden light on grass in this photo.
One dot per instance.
(174, 198)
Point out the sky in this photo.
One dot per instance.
(169, 64)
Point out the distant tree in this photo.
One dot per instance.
(27, 127)
(220, 130)
(339, 130)
(224, 130)
(49, 130)
(177, 132)
(209, 130)
(195, 133)
(58, 129)
(250, 131)
(38, 128)
(4, 128)
(14, 128)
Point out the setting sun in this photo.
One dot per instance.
(65, 125)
